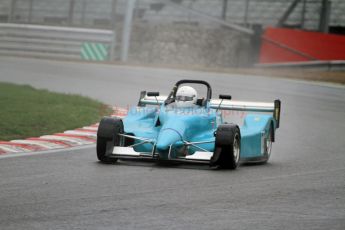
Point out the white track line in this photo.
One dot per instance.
(11, 149)
(90, 128)
(81, 133)
(23, 154)
(68, 139)
(43, 144)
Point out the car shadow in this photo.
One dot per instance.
(154, 164)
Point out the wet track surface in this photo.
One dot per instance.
(302, 186)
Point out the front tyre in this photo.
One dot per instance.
(107, 138)
(227, 147)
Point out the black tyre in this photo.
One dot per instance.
(227, 147)
(107, 138)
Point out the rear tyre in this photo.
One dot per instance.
(107, 138)
(227, 147)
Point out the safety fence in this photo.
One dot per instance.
(103, 13)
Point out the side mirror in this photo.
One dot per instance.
(153, 94)
(224, 96)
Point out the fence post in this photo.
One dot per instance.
(30, 11)
(127, 26)
(303, 12)
(83, 9)
(287, 13)
(113, 25)
(325, 16)
(246, 9)
(224, 9)
(12, 11)
(70, 12)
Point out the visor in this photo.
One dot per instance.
(184, 98)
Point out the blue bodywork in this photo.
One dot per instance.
(170, 128)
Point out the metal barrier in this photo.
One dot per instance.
(315, 65)
(56, 42)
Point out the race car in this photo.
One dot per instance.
(183, 127)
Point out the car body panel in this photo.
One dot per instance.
(255, 128)
(176, 126)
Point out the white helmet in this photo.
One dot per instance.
(186, 96)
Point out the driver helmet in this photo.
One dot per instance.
(186, 96)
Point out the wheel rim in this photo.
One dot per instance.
(236, 149)
(268, 144)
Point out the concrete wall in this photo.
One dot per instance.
(189, 45)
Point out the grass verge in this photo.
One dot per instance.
(29, 112)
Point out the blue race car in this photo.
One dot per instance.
(184, 128)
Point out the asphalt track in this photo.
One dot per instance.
(302, 187)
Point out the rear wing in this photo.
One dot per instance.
(248, 106)
(223, 104)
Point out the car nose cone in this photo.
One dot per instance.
(166, 138)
